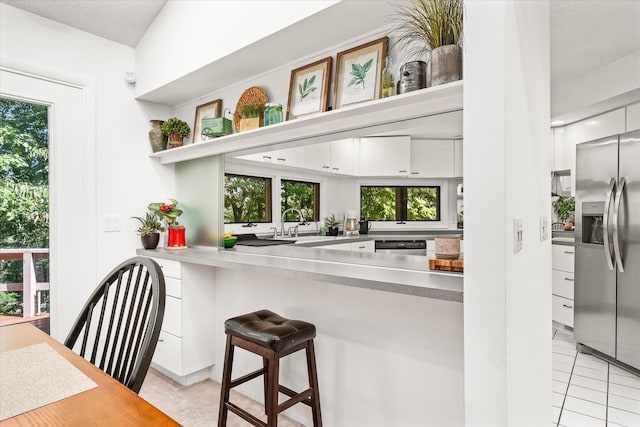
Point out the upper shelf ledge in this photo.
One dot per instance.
(366, 118)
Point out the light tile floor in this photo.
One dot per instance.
(588, 391)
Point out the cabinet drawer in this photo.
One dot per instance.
(170, 268)
(562, 310)
(173, 287)
(562, 283)
(562, 257)
(368, 246)
(172, 321)
(168, 353)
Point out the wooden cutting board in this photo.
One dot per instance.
(447, 264)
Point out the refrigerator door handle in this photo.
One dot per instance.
(605, 225)
(616, 232)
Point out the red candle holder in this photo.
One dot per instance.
(176, 238)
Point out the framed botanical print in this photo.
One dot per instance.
(210, 110)
(359, 73)
(309, 89)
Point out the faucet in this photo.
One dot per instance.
(283, 216)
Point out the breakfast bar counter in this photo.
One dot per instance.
(403, 274)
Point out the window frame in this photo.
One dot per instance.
(268, 197)
(401, 210)
(316, 196)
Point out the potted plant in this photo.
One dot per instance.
(432, 27)
(169, 212)
(149, 230)
(176, 130)
(332, 224)
(564, 208)
(251, 116)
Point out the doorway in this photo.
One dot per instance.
(24, 195)
(71, 186)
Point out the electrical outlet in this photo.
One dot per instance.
(544, 228)
(518, 234)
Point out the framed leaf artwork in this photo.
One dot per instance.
(359, 73)
(210, 110)
(309, 89)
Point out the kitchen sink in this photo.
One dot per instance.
(253, 240)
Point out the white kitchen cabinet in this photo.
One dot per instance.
(458, 165)
(633, 117)
(294, 157)
(562, 276)
(345, 156)
(560, 159)
(318, 156)
(385, 156)
(286, 157)
(185, 349)
(336, 156)
(432, 158)
(600, 126)
(363, 246)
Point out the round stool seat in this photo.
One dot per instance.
(270, 330)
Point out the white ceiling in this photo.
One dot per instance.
(123, 21)
(585, 34)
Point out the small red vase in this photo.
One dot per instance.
(176, 237)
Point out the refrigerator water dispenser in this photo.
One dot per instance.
(592, 231)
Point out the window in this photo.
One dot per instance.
(301, 195)
(246, 199)
(380, 203)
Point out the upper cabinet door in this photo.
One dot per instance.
(290, 157)
(385, 156)
(633, 117)
(432, 158)
(345, 156)
(319, 156)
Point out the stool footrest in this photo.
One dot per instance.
(297, 398)
(245, 415)
(243, 379)
(285, 390)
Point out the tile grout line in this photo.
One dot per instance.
(607, 410)
(566, 392)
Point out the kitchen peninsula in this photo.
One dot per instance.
(385, 322)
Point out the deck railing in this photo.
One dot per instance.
(31, 289)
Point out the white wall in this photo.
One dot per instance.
(507, 166)
(383, 359)
(125, 179)
(187, 35)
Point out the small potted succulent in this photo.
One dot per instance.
(149, 230)
(251, 116)
(169, 212)
(176, 130)
(332, 224)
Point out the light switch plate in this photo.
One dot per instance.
(544, 228)
(111, 223)
(518, 234)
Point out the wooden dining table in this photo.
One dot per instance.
(109, 403)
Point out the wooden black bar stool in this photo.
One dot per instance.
(271, 336)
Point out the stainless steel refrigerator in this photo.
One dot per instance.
(607, 260)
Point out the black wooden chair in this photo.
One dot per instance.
(118, 328)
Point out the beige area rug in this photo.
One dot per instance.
(197, 405)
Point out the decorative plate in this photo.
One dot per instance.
(253, 95)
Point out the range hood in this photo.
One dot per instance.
(561, 183)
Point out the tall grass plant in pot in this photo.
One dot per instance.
(432, 28)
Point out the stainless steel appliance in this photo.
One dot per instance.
(607, 263)
(402, 247)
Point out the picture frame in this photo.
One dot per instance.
(210, 110)
(309, 88)
(358, 76)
